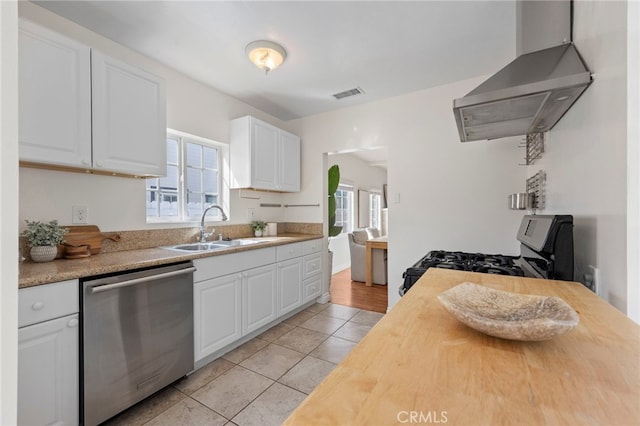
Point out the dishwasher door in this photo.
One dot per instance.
(137, 333)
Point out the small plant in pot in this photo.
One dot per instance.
(258, 227)
(44, 239)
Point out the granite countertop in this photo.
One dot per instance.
(33, 274)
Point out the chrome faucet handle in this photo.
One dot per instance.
(204, 235)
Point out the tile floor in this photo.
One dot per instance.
(265, 379)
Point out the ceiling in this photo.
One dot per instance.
(387, 48)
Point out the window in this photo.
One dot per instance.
(192, 182)
(374, 209)
(344, 208)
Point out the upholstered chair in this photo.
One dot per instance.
(357, 249)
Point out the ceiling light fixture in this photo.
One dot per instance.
(267, 55)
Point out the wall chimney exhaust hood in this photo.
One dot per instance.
(529, 95)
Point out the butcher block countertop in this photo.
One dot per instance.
(420, 365)
(32, 274)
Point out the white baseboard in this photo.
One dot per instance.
(324, 298)
(340, 268)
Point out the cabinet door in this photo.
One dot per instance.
(129, 118)
(217, 314)
(264, 159)
(289, 285)
(258, 297)
(54, 98)
(289, 167)
(48, 372)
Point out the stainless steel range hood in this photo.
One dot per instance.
(529, 95)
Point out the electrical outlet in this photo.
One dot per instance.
(250, 213)
(79, 214)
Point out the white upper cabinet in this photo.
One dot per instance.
(290, 162)
(263, 156)
(81, 108)
(55, 98)
(129, 118)
(264, 159)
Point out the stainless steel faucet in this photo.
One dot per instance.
(203, 231)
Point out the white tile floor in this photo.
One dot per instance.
(265, 379)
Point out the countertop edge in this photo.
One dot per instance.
(34, 274)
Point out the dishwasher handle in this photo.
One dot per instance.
(106, 287)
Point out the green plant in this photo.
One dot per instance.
(334, 181)
(258, 225)
(44, 234)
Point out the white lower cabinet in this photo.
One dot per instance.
(236, 294)
(289, 288)
(311, 270)
(217, 312)
(48, 372)
(48, 355)
(258, 298)
(311, 288)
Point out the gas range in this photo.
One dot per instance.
(546, 251)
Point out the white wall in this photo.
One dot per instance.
(451, 195)
(633, 161)
(357, 172)
(192, 107)
(585, 158)
(8, 212)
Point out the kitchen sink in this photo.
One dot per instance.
(212, 245)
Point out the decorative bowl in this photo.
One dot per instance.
(509, 315)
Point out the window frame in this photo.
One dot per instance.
(222, 184)
(348, 225)
(375, 209)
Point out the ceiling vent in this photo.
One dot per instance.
(347, 93)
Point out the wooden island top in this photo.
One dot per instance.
(420, 365)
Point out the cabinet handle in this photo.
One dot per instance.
(37, 306)
(72, 323)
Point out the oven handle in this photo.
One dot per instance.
(106, 287)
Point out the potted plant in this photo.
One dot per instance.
(334, 181)
(258, 227)
(44, 239)
(334, 231)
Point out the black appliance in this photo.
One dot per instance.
(546, 251)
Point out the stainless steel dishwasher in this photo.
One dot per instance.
(137, 331)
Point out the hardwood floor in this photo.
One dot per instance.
(353, 293)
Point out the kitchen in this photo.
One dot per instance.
(588, 157)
